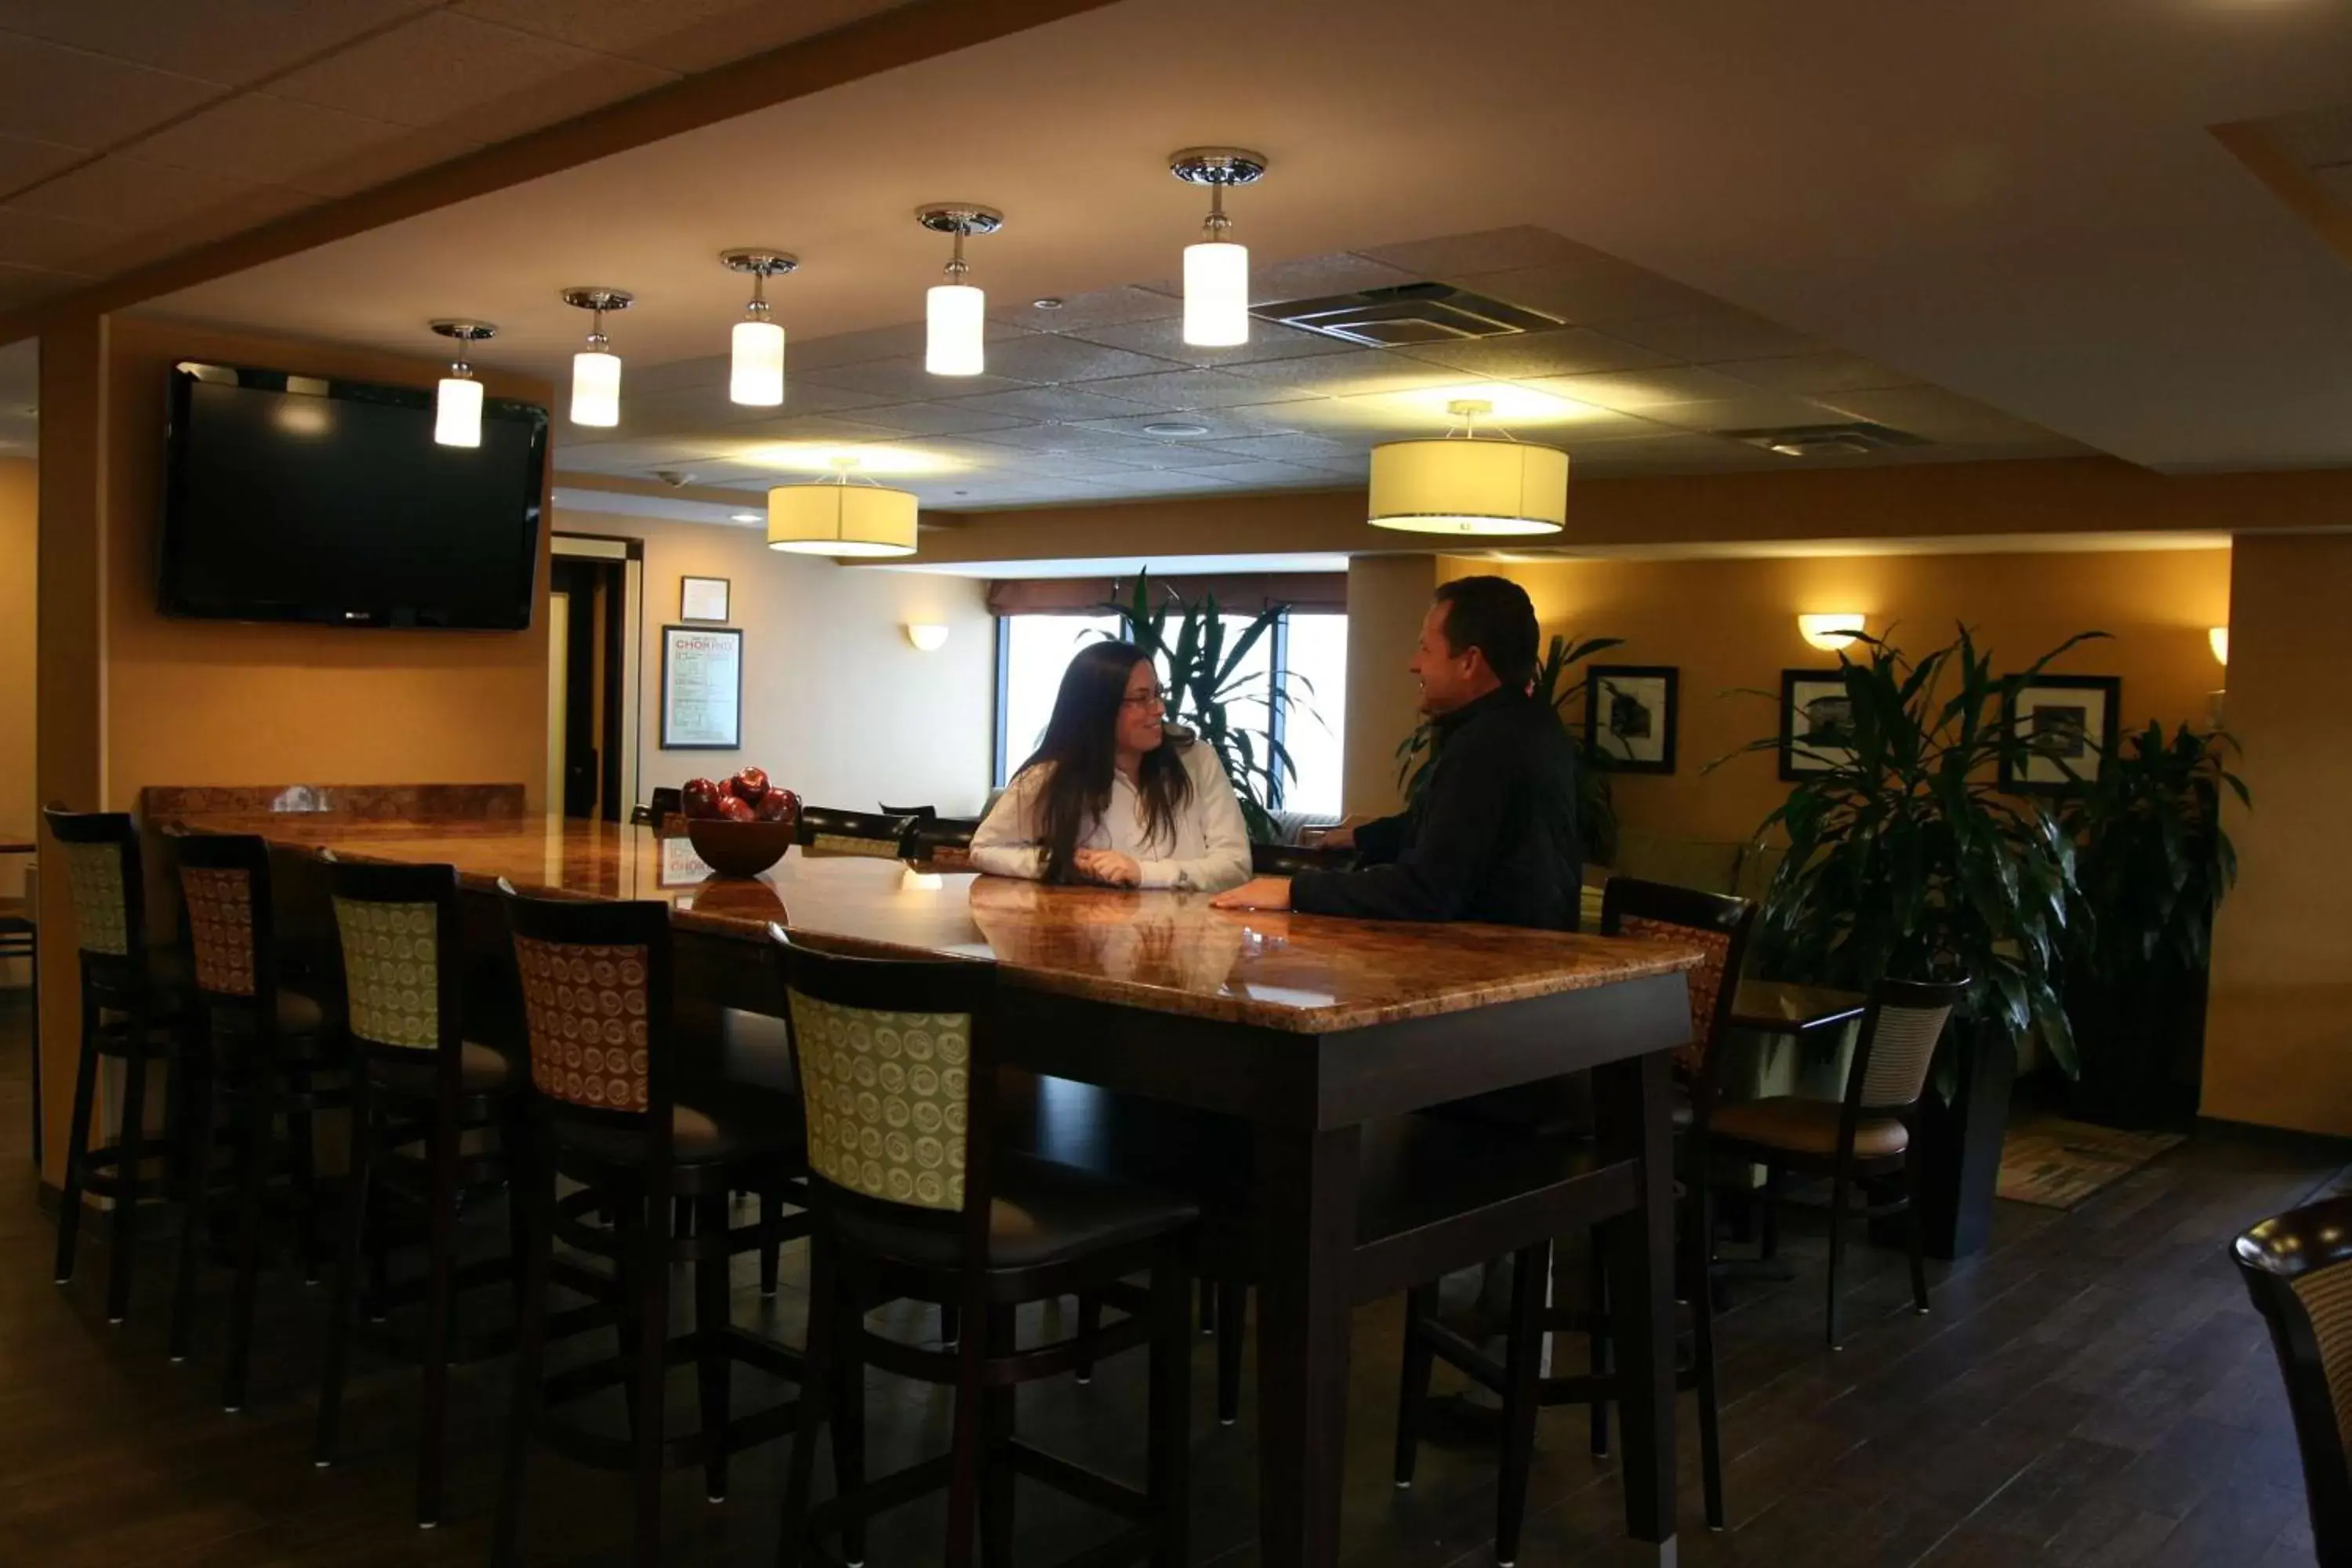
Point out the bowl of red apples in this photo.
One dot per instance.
(742, 825)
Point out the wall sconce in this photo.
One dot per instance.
(1833, 630)
(929, 637)
(2218, 640)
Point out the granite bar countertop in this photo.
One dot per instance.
(1165, 952)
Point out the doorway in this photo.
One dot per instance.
(592, 615)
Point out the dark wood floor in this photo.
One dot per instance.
(2093, 1391)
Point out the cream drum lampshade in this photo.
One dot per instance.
(1469, 486)
(841, 519)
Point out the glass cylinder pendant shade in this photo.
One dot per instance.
(595, 388)
(841, 519)
(1469, 487)
(457, 412)
(758, 377)
(1216, 294)
(956, 342)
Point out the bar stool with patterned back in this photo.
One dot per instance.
(914, 1200)
(2298, 1269)
(1865, 1135)
(133, 1000)
(606, 1111)
(1720, 927)
(422, 1092)
(20, 937)
(275, 1053)
(826, 830)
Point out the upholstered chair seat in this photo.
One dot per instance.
(1808, 1127)
(1041, 1211)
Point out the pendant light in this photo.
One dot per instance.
(596, 370)
(1216, 271)
(457, 401)
(1468, 484)
(837, 516)
(955, 341)
(757, 380)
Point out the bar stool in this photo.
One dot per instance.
(2297, 1267)
(604, 1110)
(133, 1009)
(1720, 927)
(420, 1091)
(912, 1200)
(276, 1053)
(20, 937)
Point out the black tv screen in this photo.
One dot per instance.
(295, 498)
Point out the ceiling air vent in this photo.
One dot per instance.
(1824, 441)
(1407, 313)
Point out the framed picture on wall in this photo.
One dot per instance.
(1816, 724)
(701, 690)
(2067, 724)
(1629, 714)
(702, 599)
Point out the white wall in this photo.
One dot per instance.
(837, 704)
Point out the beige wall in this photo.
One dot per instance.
(837, 705)
(20, 524)
(1386, 597)
(1729, 625)
(2278, 1042)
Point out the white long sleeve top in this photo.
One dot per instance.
(1210, 854)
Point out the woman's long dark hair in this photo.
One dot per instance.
(1081, 746)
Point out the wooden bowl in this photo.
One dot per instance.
(739, 849)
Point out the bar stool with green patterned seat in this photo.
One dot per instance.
(276, 1056)
(133, 1011)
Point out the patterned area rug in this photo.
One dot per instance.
(2057, 1163)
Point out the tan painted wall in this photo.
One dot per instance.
(1386, 597)
(2278, 1044)
(20, 524)
(837, 704)
(1732, 624)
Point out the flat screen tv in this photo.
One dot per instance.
(297, 498)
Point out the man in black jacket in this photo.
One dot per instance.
(1492, 835)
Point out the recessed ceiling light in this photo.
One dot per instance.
(1176, 428)
(1050, 302)
(745, 516)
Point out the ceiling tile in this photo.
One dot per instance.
(227, 41)
(822, 353)
(678, 34)
(80, 100)
(24, 160)
(805, 427)
(1932, 411)
(1038, 357)
(128, 194)
(1754, 411)
(466, 78)
(53, 245)
(1570, 351)
(1222, 425)
(1187, 389)
(1286, 449)
(1492, 250)
(947, 418)
(1704, 336)
(1084, 440)
(1593, 292)
(902, 380)
(23, 285)
(1355, 374)
(1308, 277)
(575, 456)
(1810, 375)
(1049, 405)
(1186, 455)
(1275, 476)
(1168, 481)
(276, 140)
(707, 407)
(1078, 314)
(1633, 391)
(1164, 339)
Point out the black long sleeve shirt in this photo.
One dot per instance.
(1492, 837)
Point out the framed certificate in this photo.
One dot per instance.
(701, 690)
(702, 599)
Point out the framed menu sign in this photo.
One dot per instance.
(702, 689)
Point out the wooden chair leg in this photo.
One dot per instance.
(963, 1464)
(849, 1406)
(1521, 1362)
(1915, 1236)
(1090, 1310)
(532, 1189)
(1169, 1446)
(772, 1218)
(301, 1133)
(650, 1372)
(127, 1186)
(347, 1269)
(711, 1318)
(1769, 1243)
(628, 1227)
(1233, 1321)
(1700, 1249)
(1413, 1381)
(254, 1115)
(996, 1428)
(77, 1139)
(1208, 1305)
(440, 1291)
(818, 1390)
(195, 1216)
(1596, 1308)
(1838, 1185)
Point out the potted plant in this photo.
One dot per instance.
(1596, 811)
(1205, 677)
(1905, 860)
(2152, 864)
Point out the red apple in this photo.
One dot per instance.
(750, 784)
(733, 808)
(777, 804)
(699, 797)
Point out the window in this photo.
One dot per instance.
(1308, 653)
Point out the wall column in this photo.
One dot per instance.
(1386, 597)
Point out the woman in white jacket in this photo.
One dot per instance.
(1114, 796)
